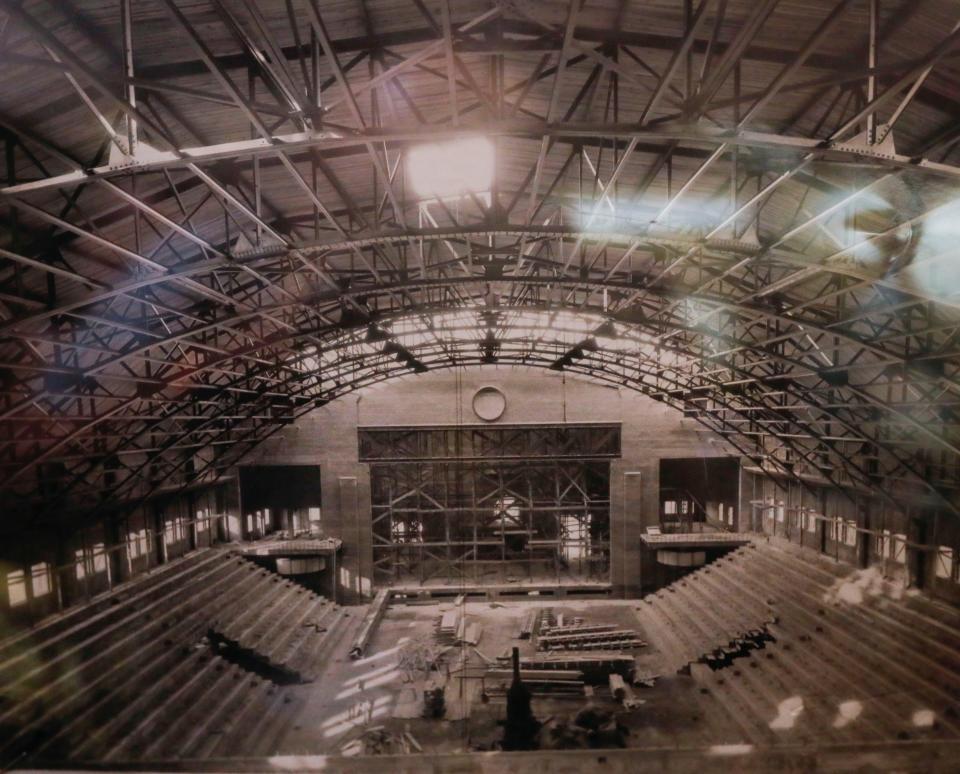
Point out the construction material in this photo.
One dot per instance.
(448, 628)
(527, 626)
(370, 623)
(536, 675)
(578, 629)
(418, 659)
(608, 640)
(471, 634)
(544, 620)
(596, 668)
(379, 741)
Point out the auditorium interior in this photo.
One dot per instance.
(480, 386)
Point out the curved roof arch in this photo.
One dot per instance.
(740, 213)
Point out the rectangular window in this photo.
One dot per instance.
(137, 543)
(812, 521)
(202, 521)
(900, 548)
(883, 544)
(670, 507)
(781, 513)
(17, 588)
(944, 562)
(81, 564)
(40, 579)
(99, 558)
(850, 537)
(133, 545)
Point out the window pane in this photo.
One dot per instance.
(944, 562)
(851, 536)
(99, 558)
(899, 548)
(17, 588)
(40, 579)
(81, 566)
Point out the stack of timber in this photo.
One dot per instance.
(448, 627)
(611, 639)
(528, 624)
(596, 668)
(578, 628)
(544, 620)
(552, 682)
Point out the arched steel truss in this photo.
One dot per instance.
(167, 308)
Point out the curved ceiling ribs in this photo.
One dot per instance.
(210, 232)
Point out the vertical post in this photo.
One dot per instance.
(257, 198)
(626, 553)
(874, 22)
(126, 20)
(349, 513)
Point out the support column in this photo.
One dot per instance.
(626, 526)
(744, 518)
(349, 508)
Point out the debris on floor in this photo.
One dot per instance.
(379, 741)
(417, 659)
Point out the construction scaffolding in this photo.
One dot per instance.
(513, 515)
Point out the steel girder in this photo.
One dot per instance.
(163, 312)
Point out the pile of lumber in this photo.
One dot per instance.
(612, 639)
(469, 633)
(596, 668)
(553, 682)
(453, 629)
(577, 628)
(448, 627)
(544, 620)
(528, 624)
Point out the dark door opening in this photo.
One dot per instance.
(699, 492)
(280, 497)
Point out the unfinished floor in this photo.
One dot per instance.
(215, 658)
(826, 667)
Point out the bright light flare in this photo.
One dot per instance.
(451, 168)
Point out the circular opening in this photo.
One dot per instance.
(489, 404)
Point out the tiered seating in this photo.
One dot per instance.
(134, 676)
(881, 669)
(276, 634)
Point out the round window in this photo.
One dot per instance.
(489, 404)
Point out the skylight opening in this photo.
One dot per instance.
(452, 168)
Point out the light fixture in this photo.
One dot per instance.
(451, 168)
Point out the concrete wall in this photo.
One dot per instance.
(328, 437)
